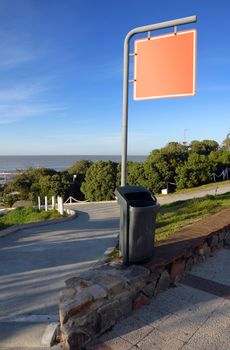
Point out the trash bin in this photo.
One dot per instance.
(138, 210)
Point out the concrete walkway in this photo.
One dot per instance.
(194, 315)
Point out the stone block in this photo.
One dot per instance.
(76, 340)
(97, 292)
(177, 269)
(163, 282)
(74, 306)
(67, 293)
(204, 250)
(189, 264)
(220, 245)
(81, 281)
(221, 235)
(125, 301)
(212, 240)
(136, 274)
(227, 237)
(149, 289)
(113, 284)
(108, 314)
(140, 301)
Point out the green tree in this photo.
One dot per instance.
(226, 143)
(204, 147)
(80, 167)
(58, 184)
(100, 181)
(78, 171)
(160, 166)
(26, 182)
(195, 172)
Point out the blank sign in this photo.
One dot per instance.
(165, 66)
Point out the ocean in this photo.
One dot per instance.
(12, 163)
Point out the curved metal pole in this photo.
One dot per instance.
(138, 30)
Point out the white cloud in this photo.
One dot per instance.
(14, 113)
(21, 92)
(15, 49)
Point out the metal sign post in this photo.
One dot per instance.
(148, 28)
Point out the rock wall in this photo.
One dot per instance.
(93, 302)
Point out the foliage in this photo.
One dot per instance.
(41, 182)
(204, 147)
(226, 143)
(185, 166)
(23, 215)
(58, 184)
(174, 216)
(196, 171)
(100, 181)
(27, 183)
(78, 171)
(80, 167)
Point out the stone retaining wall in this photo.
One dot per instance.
(93, 302)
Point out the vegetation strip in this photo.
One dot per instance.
(26, 215)
(176, 166)
(177, 215)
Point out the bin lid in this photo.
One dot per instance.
(137, 196)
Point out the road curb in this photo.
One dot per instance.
(15, 228)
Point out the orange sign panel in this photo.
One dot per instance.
(165, 66)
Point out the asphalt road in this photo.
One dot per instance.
(35, 263)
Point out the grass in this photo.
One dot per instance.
(174, 216)
(26, 215)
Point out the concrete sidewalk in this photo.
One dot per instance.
(195, 315)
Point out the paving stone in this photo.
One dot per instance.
(210, 337)
(224, 308)
(113, 342)
(156, 340)
(179, 327)
(216, 268)
(150, 315)
(132, 330)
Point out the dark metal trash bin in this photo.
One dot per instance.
(138, 208)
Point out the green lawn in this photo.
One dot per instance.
(174, 216)
(25, 215)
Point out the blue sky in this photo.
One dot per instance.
(61, 69)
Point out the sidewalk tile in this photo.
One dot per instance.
(213, 334)
(132, 330)
(156, 340)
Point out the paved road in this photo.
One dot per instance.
(218, 189)
(35, 262)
